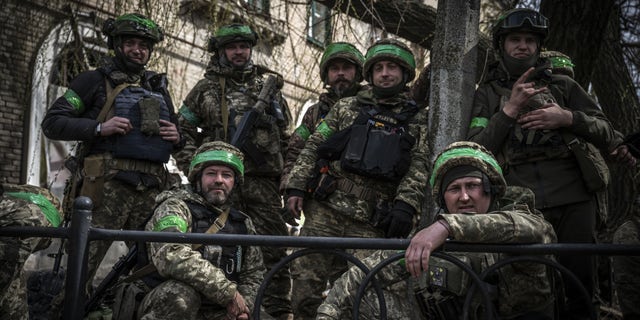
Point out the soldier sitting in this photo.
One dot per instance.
(479, 208)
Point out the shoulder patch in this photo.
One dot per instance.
(324, 129)
(169, 222)
(188, 115)
(479, 122)
(74, 100)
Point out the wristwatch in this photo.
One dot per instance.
(98, 129)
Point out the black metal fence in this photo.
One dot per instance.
(80, 233)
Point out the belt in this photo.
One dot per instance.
(142, 166)
(361, 192)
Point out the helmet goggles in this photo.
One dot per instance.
(518, 19)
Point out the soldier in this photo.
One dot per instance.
(366, 167)
(22, 205)
(204, 281)
(125, 118)
(213, 111)
(467, 183)
(341, 73)
(548, 134)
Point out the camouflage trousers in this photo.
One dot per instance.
(626, 271)
(123, 207)
(310, 273)
(174, 299)
(393, 279)
(14, 253)
(260, 199)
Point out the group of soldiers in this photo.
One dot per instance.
(356, 166)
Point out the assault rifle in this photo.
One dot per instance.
(251, 118)
(120, 268)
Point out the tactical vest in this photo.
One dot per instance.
(380, 144)
(143, 108)
(227, 258)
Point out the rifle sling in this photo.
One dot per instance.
(151, 268)
(224, 109)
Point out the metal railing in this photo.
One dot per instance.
(80, 233)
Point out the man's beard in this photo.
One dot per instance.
(216, 198)
(341, 86)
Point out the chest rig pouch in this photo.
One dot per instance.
(227, 258)
(143, 108)
(379, 144)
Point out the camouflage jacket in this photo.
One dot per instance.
(312, 118)
(521, 287)
(206, 104)
(540, 159)
(410, 188)
(181, 262)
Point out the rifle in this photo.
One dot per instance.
(122, 267)
(250, 119)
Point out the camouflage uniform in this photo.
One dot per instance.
(542, 159)
(22, 205)
(521, 287)
(348, 214)
(226, 92)
(195, 286)
(625, 270)
(122, 187)
(311, 119)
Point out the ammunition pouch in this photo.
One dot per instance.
(595, 172)
(93, 173)
(322, 184)
(128, 297)
(149, 116)
(378, 153)
(441, 291)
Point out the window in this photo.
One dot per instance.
(259, 6)
(319, 24)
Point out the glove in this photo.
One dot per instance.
(633, 143)
(399, 220)
(288, 216)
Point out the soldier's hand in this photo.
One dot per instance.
(622, 155)
(294, 204)
(237, 308)
(422, 245)
(399, 222)
(115, 125)
(169, 132)
(520, 94)
(549, 116)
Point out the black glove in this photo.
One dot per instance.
(399, 220)
(288, 216)
(633, 143)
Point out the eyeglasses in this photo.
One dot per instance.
(518, 18)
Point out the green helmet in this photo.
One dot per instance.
(216, 152)
(232, 33)
(341, 50)
(132, 24)
(465, 153)
(389, 49)
(560, 62)
(520, 20)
